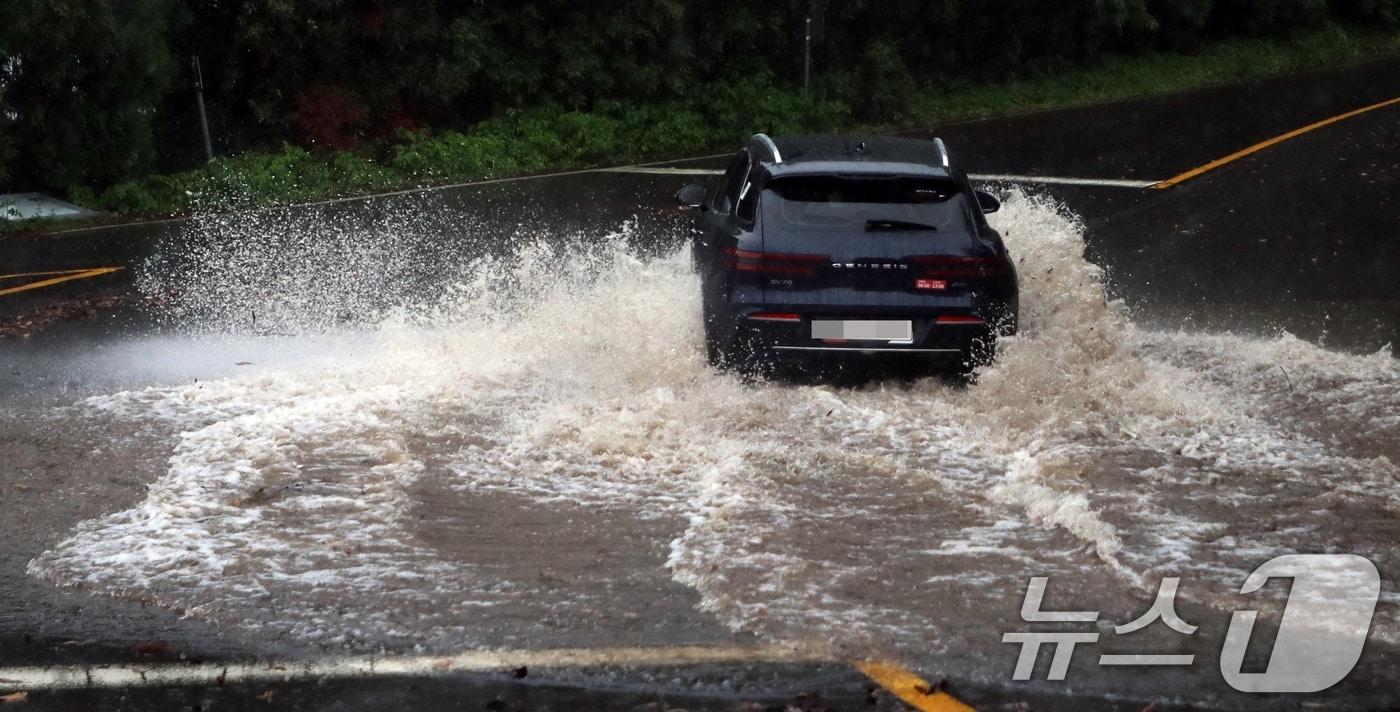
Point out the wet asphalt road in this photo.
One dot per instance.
(1300, 237)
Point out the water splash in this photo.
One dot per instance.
(570, 374)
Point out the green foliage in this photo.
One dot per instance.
(658, 129)
(721, 115)
(738, 108)
(451, 155)
(293, 174)
(370, 93)
(82, 83)
(885, 84)
(542, 139)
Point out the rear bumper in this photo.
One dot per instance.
(793, 339)
(866, 350)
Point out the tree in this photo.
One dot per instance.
(82, 83)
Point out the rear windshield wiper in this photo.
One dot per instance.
(894, 225)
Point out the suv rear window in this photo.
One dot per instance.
(860, 204)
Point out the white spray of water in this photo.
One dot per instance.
(574, 374)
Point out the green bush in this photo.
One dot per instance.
(655, 131)
(586, 138)
(741, 107)
(358, 173)
(886, 86)
(252, 179)
(450, 155)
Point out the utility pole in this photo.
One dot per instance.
(199, 103)
(807, 57)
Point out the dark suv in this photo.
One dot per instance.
(835, 246)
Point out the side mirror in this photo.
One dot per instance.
(987, 201)
(692, 196)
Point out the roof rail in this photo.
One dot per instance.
(768, 143)
(942, 151)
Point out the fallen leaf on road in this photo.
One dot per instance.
(267, 696)
(70, 310)
(14, 697)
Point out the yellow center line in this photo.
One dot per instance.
(63, 277)
(1194, 172)
(910, 688)
(43, 274)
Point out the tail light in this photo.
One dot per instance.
(948, 267)
(772, 262)
(776, 316)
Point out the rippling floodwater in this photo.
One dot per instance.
(360, 501)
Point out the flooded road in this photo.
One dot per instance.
(394, 430)
(541, 453)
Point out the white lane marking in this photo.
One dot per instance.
(983, 177)
(1059, 180)
(179, 674)
(640, 168)
(662, 170)
(394, 193)
(494, 181)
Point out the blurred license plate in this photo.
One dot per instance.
(863, 330)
